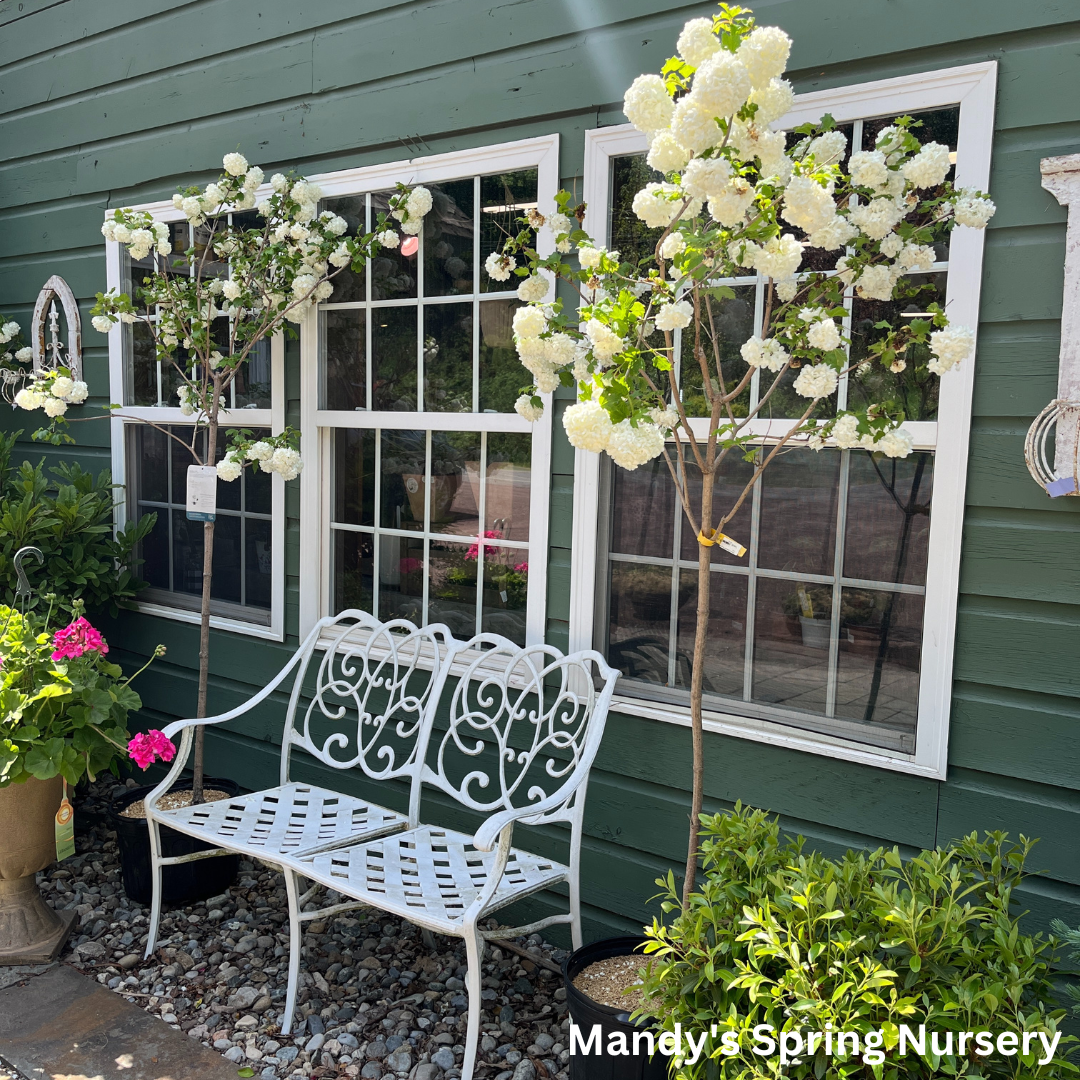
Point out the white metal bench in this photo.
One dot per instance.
(374, 687)
(524, 725)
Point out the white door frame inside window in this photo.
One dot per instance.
(273, 418)
(972, 87)
(317, 425)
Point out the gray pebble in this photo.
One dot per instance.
(400, 1060)
(525, 1070)
(234, 1054)
(443, 1057)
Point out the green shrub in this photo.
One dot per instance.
(866, 942)
(70, 518)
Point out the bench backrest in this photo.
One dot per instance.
(375, 686)
(524, 725)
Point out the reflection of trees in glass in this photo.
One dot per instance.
(914, 388)
(448, 239)
(627, 233)
(504, 198)
(732, 323)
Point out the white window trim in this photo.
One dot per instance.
(317, 426)
(273, 418)
(973, 88)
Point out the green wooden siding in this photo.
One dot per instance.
(104, 105)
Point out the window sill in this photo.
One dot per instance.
(217, 622)
(773, 734)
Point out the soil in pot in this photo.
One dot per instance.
(604, 968)
(182, 883)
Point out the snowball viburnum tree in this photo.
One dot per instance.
(205, 325)
(738, 197)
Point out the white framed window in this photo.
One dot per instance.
(249, 545)
(431, 501)
(835, 633)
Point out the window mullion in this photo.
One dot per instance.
(751, 591)
(476, 302)
(676, 573)
(480, 545)
(837, 588)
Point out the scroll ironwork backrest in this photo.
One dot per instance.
(524, 726)
(373, 688)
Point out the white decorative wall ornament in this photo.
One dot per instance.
(1061, 177)
(51, 355)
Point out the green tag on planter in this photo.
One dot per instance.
(65, 829)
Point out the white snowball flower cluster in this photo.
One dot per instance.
(973, 209)
(606, 344)
(808, 205)
(139, 241)
(824, 334)
(950, 347)
(674, 244)
(101, 323)
(697, 42)
(815, 381)
(868, 168)
(769, 354)
(647, 104)
(705, 178)
(658, 204)
(285, 462)
(752, 140)
(589, 257)
(525, 408)
(388, 239)
(529, 322)
(534, 288)
(666, 419)
(835, 233)
(916, 257)
(499, 267)
(674, 316)
(929, 167)
(188, 399)
(229, 469)
(846, 432)
(721, 85)
(666, 155)
(53, 394)
(412, 212)
(877, 218)
(630, 446)
(24, 355)
(694, 127)
(235, 164)
(779, 257)
(895, 444)
(588, 426)
(877, 282)
(764, 53)
(772, 100)
(828, 148)
(8, 331)
(730, 204)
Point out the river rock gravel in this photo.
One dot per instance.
(375, 1002)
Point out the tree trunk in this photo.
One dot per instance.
(204, 622)
(697, 676)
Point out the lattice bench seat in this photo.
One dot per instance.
(430, 876)
(291, 820)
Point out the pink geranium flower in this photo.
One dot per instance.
(522, 568)
(145, 748)
(490, 551)
(77, 638)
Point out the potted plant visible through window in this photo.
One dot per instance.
(63, 715)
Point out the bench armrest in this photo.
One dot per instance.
(487, 836)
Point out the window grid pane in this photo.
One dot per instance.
(854, 655)
(453, 346)
(447, 528)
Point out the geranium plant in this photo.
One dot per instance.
(738, 197)
(207, 321)
(63, 705)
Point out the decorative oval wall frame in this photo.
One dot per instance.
(51, 355)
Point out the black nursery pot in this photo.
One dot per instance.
(584, 1012)
(183, 883)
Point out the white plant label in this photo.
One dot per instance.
(201, 493)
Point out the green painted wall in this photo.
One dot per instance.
(104, 104)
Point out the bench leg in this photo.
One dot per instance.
(575, 910)
(156, 889)
(474, 952)
(296, 938)
(428, 938)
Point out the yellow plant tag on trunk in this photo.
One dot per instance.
(65, 829)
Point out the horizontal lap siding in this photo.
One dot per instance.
(107, 104)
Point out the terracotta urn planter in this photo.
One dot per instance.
(30, 931)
